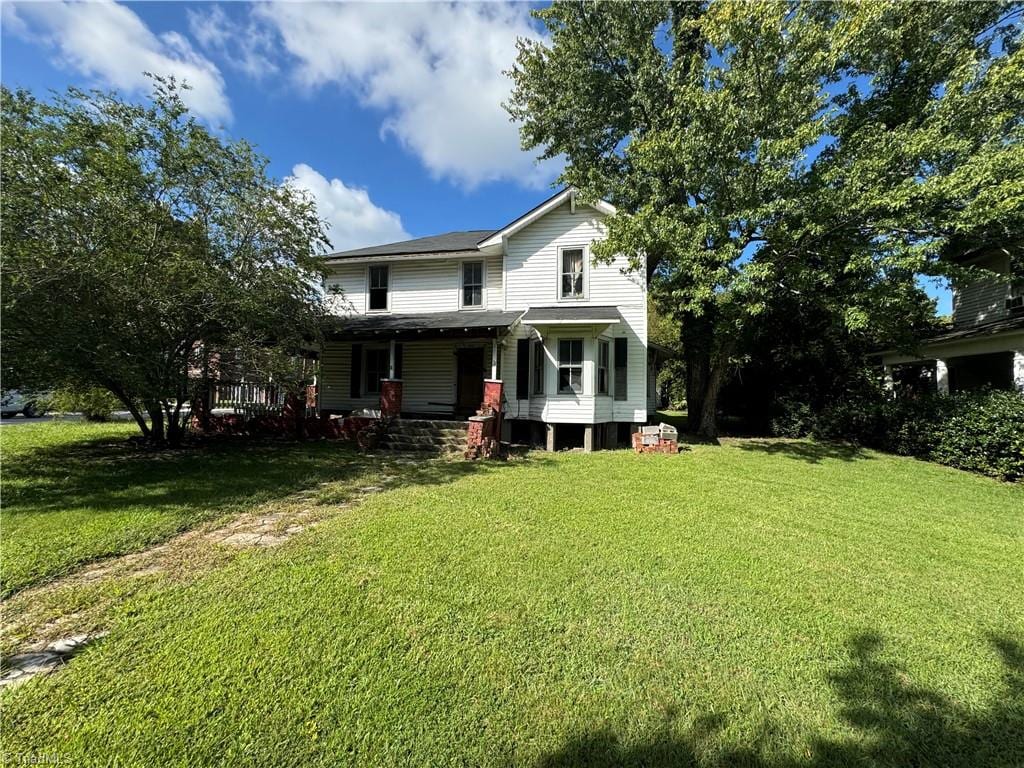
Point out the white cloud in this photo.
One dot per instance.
(247, 47)
(353, 219)
(434, 70)
(109, 42)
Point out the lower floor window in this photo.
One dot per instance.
(570, 365)
(377, 364)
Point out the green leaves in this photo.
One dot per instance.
(132, 235)
(761, 151)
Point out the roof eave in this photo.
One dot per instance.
(541, 210)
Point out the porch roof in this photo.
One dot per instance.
(420, 326)
(572, 315)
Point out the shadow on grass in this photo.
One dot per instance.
(107, 475)
(897, 722)
(119, 479)
(806, 450)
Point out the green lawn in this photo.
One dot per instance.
(760, 603)
(74, 492)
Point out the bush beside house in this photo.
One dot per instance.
(976, 431)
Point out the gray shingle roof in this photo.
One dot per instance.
(987, 329)
(448, 242)
(386, 326)
(571, 314)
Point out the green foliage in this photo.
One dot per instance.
(758, 153)
(94, 403)
(135, 241)
(976, 431)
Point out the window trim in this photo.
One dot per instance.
(387, 303)
(483, 284)
(538, 355)
(581, 365)
(374, 349)
(585, 274)
(604, 346)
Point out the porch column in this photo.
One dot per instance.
(888, 382)
(391, 359)
(941, 377)
(494, 359)
(1018, 370)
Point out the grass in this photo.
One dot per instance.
(763, 603)
(74, 492)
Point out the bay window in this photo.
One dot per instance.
(570, 366)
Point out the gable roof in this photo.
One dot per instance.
(447, 243)
(467, 241)
(567, 194)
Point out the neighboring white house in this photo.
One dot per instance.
(985, 346)
(525, 305)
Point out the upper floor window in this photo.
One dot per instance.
(378, 288)
(570, 366)
(603, 358)
(472, 283)
(571, 275)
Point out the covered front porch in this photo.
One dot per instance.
(990, 356)
(416, 366)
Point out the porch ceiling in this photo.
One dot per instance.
(423, 326)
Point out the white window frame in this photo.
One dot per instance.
(603, 345)
(369, 273)
(570, 365)
(585, 274)
(537, 367)
(374, 349)
(483, 284)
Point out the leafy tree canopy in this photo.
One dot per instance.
(760, 152)
(134, 239)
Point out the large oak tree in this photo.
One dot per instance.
(759, 154)
(135, 240)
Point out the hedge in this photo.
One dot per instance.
(976, 431)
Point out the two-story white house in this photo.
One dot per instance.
(985, 346)
(524, 305)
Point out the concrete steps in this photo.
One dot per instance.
(425, 436)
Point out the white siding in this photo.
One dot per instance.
(984, 300)
(416, 285)
(527, 276)
(531, 279)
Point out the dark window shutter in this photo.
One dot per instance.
(356, 380)
(621, 366)
(522, 369)
(398, 361)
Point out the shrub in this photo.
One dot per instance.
(976, 431)
(93, 403)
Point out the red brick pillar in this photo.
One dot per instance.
(390, 397)
(493, 391)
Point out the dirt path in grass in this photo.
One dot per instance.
(44, 626)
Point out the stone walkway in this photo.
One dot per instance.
(47, 641)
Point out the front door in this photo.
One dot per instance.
(469, 380)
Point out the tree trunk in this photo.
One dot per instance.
(695, 336)
(175, 430)
(707, 425)
(157, 434)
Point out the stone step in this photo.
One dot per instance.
(402, 446)
(431, 423)
(425, 442)
(422, 431)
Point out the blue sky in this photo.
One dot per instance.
(388, 113)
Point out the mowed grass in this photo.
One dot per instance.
(760, 603)
(73, 492)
